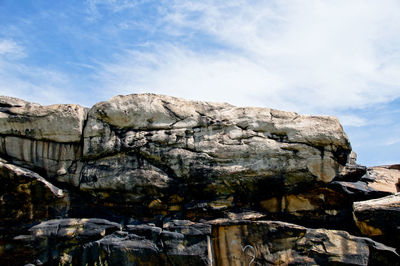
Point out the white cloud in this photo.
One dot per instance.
(36, 84)
(11, 48)
(352, 120)
(114, 6)
(30, 82)
(392, 141)
(306, 56)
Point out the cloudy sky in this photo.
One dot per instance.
(337, 58)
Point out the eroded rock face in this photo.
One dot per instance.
(179, 242)
(217, 242)
(204, 173)
(278, 243)
(205, 151)
(380, 219)
(58, 123)
(165, 153)
(47, 138)
(54, 241)
(27, 197)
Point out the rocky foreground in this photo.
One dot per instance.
(155, 180)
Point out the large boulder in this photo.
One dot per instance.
(58, 123)
(168, 152)
(205, 173)
(44, 138)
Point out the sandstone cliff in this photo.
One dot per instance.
(158, 180)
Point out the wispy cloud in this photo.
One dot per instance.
(11, 48)
(311, 56)
(308, 56)
(33, 83)
(352, 120)
(94, 7)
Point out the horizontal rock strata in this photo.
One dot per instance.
(148, 179)
(380, 219)
(167, 153)
(217, 242)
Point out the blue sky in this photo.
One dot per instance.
(337, 58)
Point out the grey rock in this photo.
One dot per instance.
(145, 145)
(177, 243)
(59, 123)
(58, 240)
(74, 228)
(43, 137)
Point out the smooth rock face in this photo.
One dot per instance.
(383, 178)
(380, 218)
(207, 151)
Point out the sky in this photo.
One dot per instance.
(339, 58)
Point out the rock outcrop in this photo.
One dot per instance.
(278, 243)
(25, 198)
(175, 179)
(217, 242)
(45, 138)
(380, 219)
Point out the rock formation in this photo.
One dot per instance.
(157, 180)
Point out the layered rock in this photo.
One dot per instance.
(27, 197)
(278, 243)
(380, 219)
(217, 242)
(54, 241)
(155, 162)
(168, 152)
(44, 138)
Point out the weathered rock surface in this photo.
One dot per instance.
(170, 155)
(147, 160)
(44, 138)
(376, 181)
(152, 146)
(380, 219)
(51, 241)
(217, 242)
(278, 243)
(177, 243)
(58, 123)
(26, 197)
